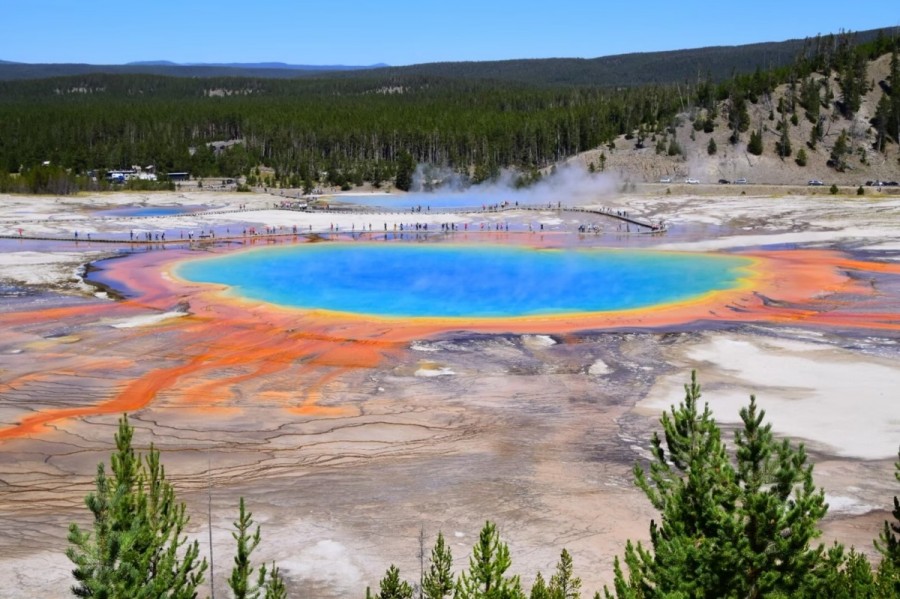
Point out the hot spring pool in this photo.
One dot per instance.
(143, 211)
(457, 281)
(425, 201)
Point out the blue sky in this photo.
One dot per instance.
(402, 32)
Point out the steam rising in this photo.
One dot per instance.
(567, 183)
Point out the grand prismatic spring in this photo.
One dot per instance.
(356, 387)
(465, 282)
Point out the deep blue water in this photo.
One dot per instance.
(419, 280)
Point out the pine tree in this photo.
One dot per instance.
(438, 581)
(539, 589)
(852, 78)
(893, 121)
(888, 545)
(137, 548)
(778, 512)
(689, 504)
(881, 122)
(406, 167)
(711, 148)
(810, 99)
(839, 151)
(488, 564)
(241, 573)
(783, 147)
(738, 117)
(564, 584)
(95, 558)
(844, 575)
(674, 148)
(815, 134)
(391, 587)
(660, 146)
(275, 587)
(726, 529)
(638, 584)
(755, 145)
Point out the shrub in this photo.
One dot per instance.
(833, 189)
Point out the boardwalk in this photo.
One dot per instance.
(184, 236)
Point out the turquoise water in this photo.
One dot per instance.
(134, 211)
(417, 280)
(425, 201)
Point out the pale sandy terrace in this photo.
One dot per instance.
(535, 432)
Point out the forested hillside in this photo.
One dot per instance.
(833, 117)
(353, 130)
(376, 125)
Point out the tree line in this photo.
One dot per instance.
(738, 523)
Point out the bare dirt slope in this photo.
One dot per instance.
(732, 161)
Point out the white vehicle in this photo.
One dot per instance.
(666, 180)
(690, 181)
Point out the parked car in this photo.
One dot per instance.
(741, 181)
(690, 181)
(724, 181)
(815, 182)
(891, 184)
(666, 180)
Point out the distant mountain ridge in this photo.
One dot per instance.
(634, 69)
(641, 68)
(259, 65)
(264, 70)
(151, 63)
(19, 71)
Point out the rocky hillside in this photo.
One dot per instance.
(733, 161)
